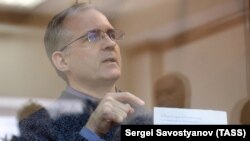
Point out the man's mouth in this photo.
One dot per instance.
(111, 59)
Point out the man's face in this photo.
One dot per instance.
(91, 61)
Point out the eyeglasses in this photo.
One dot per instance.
(97, 34)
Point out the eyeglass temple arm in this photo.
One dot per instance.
(83, 36)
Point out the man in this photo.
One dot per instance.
(82, 46)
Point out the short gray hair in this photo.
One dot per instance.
(55, 36)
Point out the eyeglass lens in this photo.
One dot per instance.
(113, 34)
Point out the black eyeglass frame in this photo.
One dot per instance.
(87, 36)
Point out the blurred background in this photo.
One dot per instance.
(206, 42)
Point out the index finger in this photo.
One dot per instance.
(127, 97)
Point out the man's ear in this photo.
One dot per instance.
(59, 61)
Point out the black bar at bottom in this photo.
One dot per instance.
(185, 132)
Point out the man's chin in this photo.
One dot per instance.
(112, 76)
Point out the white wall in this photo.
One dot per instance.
(25, 69)
(140, 77)
(216, 68)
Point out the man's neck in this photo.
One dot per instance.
(97, 91)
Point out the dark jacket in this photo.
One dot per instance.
(54, 124)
